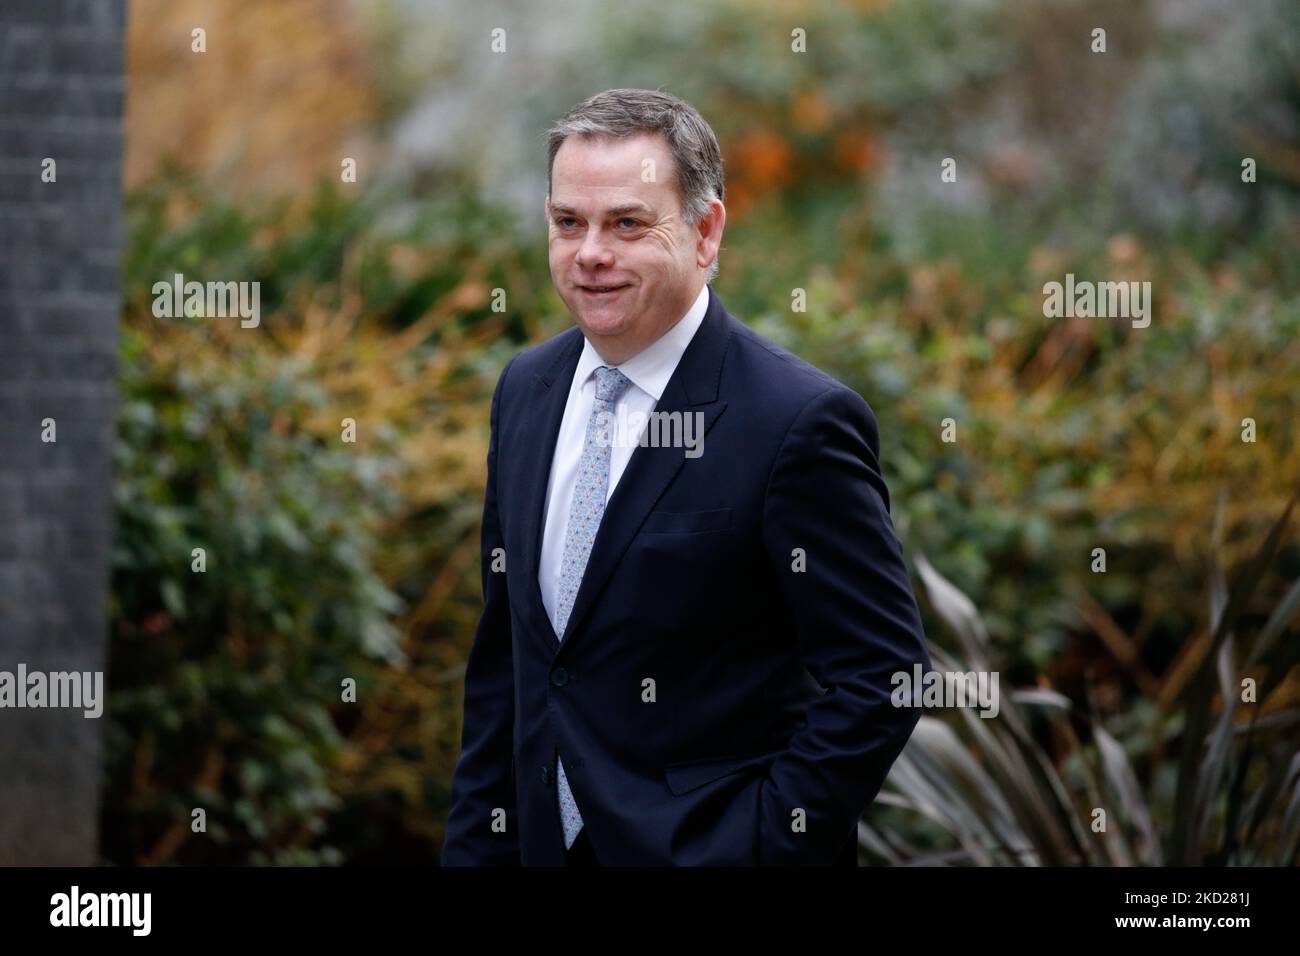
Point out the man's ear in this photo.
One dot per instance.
(710, 238)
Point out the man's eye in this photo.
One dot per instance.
(634, 222)
(562, 220)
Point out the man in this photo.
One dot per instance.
(686, 659)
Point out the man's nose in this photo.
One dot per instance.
(594, 250)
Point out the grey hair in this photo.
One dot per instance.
(625, 112)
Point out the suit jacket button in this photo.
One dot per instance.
(546, 776)
(559, 677)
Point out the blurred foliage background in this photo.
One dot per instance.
(328, 561)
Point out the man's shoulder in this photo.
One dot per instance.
(789, 395)
(543, 358)
(780, 378)
(761, 369)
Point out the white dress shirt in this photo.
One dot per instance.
(649, 371)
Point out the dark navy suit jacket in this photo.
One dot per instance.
(722, 693)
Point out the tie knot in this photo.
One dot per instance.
(610, 384)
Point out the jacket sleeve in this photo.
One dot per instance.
(856, 622)
(483, 784)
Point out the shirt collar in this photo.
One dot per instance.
(652, 367)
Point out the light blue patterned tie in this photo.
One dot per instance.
(584, 518)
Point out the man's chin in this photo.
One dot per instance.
(603, 322)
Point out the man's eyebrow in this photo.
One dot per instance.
(559, 209)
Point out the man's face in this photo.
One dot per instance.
(609, 228)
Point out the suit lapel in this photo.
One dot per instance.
(549, 392)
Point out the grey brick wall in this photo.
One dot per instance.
(61, 96)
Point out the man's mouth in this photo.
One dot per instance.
(602, 291)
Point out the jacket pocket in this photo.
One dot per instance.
(686, 522)
(686, 775)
